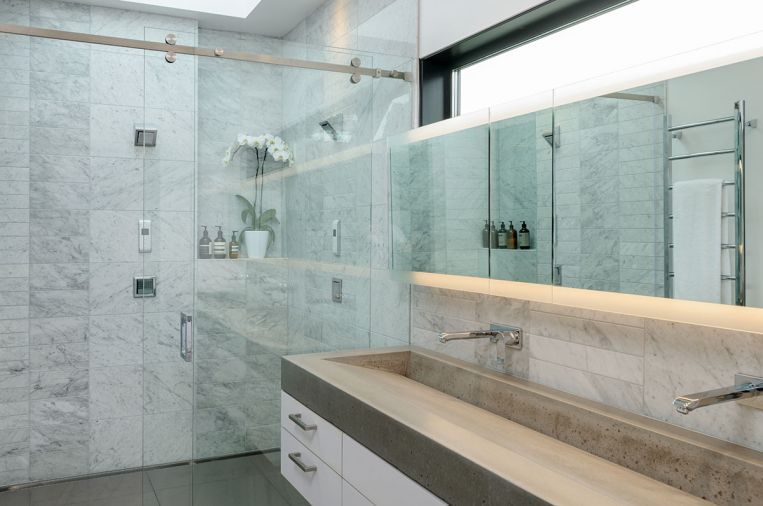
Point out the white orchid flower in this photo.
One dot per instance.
(278, 148)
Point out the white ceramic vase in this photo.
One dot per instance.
(256, 242)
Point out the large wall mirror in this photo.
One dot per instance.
(638, 191)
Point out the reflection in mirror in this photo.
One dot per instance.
(608, 192)
(649, 189)
(439, 192)
(520, 194)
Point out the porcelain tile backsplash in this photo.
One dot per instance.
(633, 363)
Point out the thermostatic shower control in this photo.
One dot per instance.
(144, 236)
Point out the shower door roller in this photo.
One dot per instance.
(186, 337)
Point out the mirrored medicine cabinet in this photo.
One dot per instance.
(651, 190)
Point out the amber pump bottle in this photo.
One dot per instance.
(511, 240)
(234, 247)
(524, 237)
(205, 244)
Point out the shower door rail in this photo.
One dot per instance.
(354, 69)
(740, 124)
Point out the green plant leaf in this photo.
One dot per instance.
(245, 215)
(268, 216)
(271, 234)
(245, 201)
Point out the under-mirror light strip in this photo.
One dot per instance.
(723, 316)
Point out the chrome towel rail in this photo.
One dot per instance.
(740, 122)
(703, 153)
(701, 123)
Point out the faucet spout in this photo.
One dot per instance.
(493, 335)
(685, 404)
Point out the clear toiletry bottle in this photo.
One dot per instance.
(511, 241)
(524, 237)
(234, 247)
(486, 235)
(493, 236)
(219, 246)
(503, 236)
(205, 244)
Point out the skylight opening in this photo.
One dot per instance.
(231, 8)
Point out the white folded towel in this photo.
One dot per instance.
(697, 206)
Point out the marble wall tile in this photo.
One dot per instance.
(111, 288)
(168, 386)
(47, 85)
(709, 359)
(45, 331)
(55, 303)
(63, 356)
(57, 451)
(108, 246)
(59, 276)
(116, 392)
(167, 437)
(120, 81)
(59, 384)
(116, 340)
(115, 444)
(62, 410)
(116, 184)
(65, 169)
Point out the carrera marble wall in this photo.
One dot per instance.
(608, 184)
(636, 364)
(346, 180)
(91, 380)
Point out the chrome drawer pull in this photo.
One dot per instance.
(297, 418)
(295, 457)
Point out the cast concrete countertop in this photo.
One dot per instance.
(460, 452)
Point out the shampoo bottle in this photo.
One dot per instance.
(219, 245)
(486, 235)
(512, 239)
(234, 247)
(493, 236)
(503, 236)
(524, 237)
(205, 244)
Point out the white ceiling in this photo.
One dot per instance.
(274, 18)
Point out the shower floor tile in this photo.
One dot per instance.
(243, 481)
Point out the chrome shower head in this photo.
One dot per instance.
(329, 129)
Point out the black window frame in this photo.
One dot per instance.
(437, 85)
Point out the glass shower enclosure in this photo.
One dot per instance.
(120, 348)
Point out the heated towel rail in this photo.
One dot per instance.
(740, 124)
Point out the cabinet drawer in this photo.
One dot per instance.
(351, 497)
(317, 482)
(322, 438)
(380, 482)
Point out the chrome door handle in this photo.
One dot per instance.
(297, 418)
(186, 337)
(296, 458)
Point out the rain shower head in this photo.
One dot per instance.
(333, 126)
(326, 126)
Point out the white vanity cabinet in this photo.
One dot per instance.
(330, 468)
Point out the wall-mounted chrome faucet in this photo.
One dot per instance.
(511, 336)
(746, 387)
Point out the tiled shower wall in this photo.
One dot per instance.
(636, 364)
(89, 379)
(346, 180)
(608, 175)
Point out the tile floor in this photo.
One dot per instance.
(242, 481)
